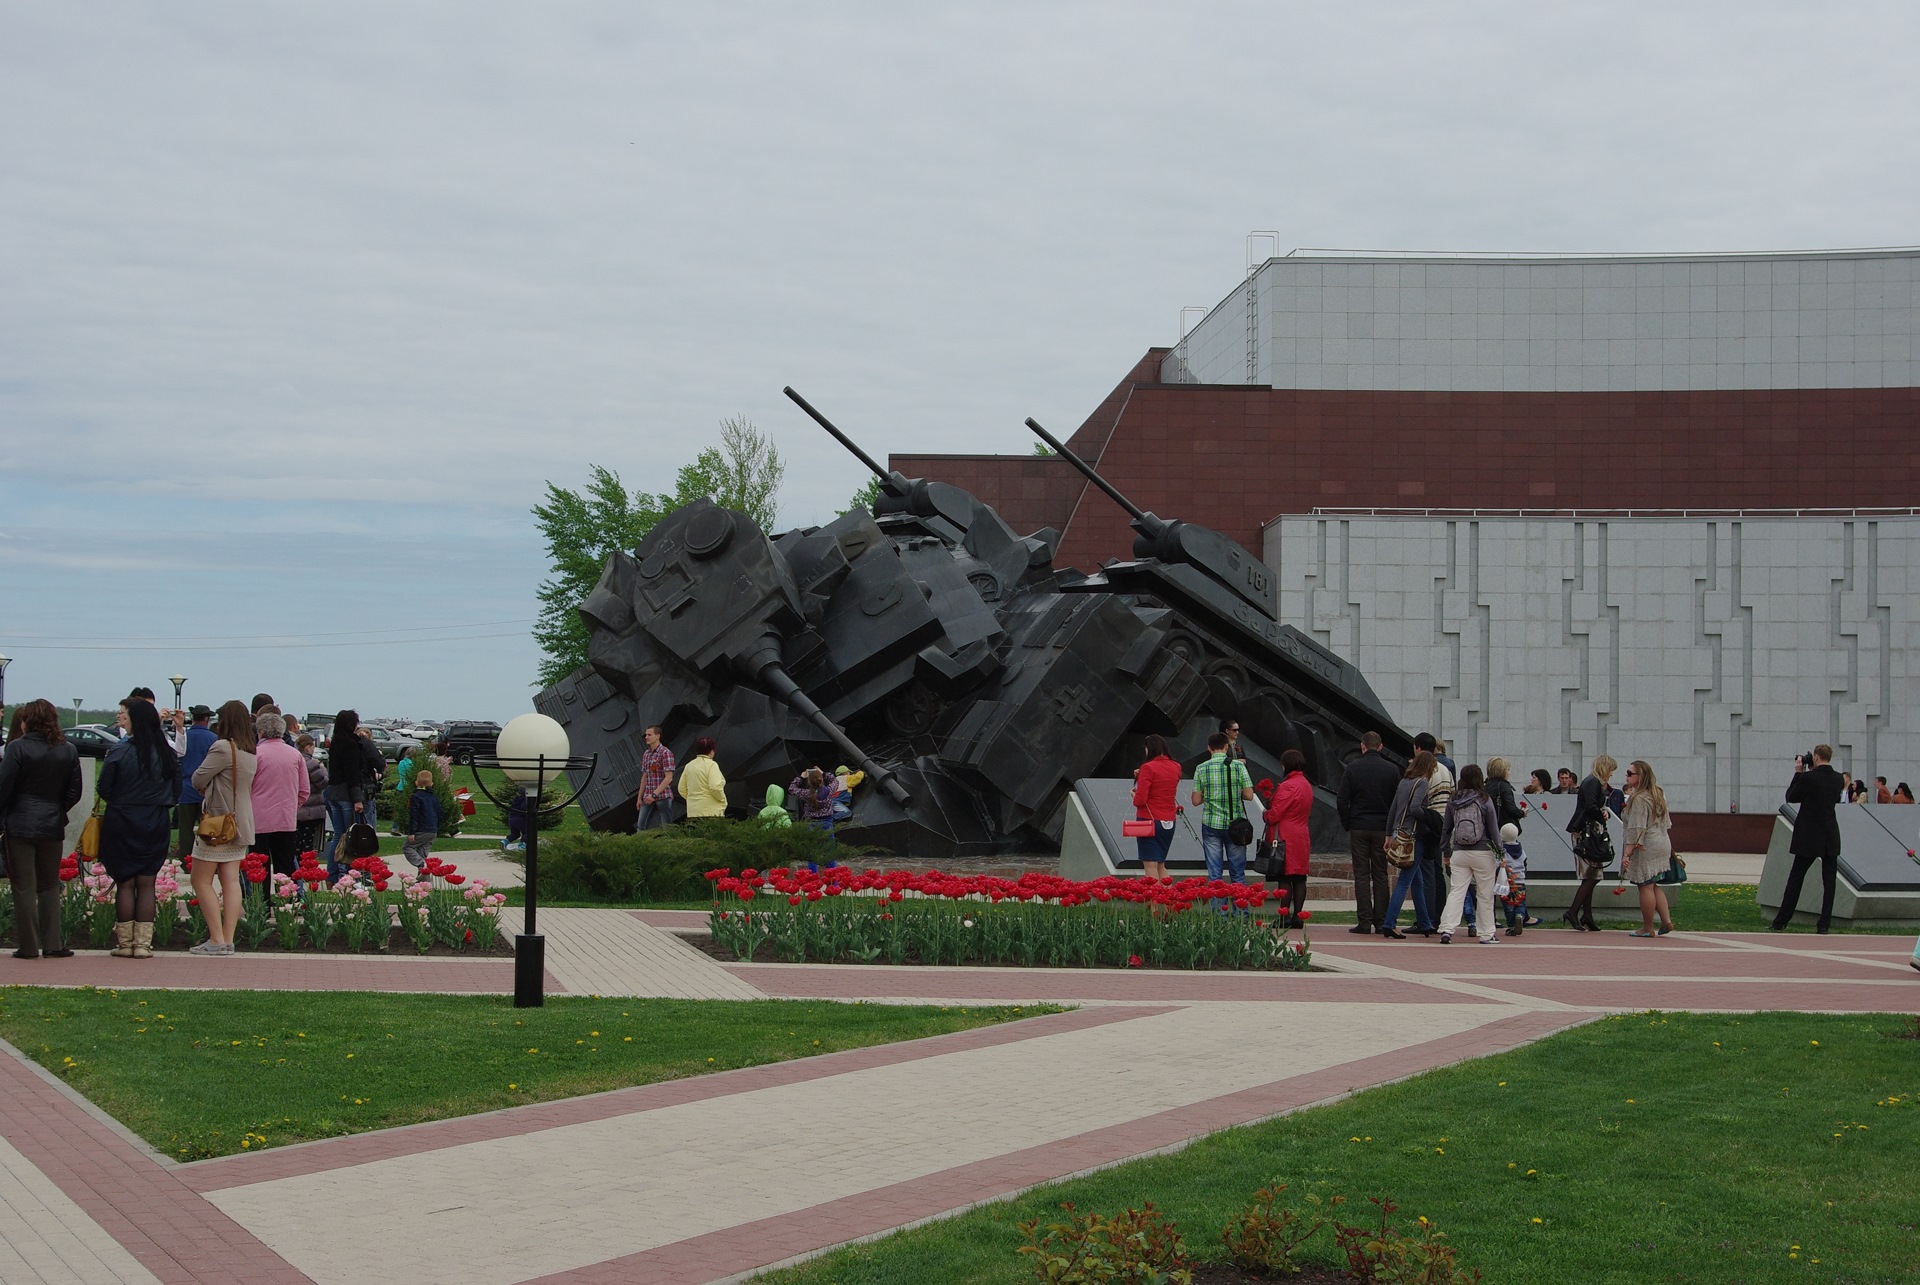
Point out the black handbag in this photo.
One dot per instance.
(1270, 858)
(1240, 832)
(1596, 845)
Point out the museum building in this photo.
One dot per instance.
(1659, 506)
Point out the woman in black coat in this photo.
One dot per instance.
(1591, 805)
(140, 781)
(354, 770)
(39, 784)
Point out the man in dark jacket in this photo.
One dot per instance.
(1816, 833)
(1364, 799)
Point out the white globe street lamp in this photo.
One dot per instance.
(530, 751)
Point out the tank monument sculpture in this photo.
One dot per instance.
(945, 655)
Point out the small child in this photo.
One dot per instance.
(1514, 867)
(516, 840)
(775, 813)
(423, 820)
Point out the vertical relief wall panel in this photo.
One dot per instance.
(1714, 648)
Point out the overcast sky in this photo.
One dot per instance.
(301, 305)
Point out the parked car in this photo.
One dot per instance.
(391, 747)
(94, 742)
(461, 741)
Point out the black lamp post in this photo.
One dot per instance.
(531, 751)
(4, 662)
(178, 683)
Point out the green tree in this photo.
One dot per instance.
(864, 498)
(584, 528)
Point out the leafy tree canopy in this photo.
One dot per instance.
(583, 528)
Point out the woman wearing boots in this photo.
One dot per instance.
(1590, 806)
(140, 781)
(39, 784)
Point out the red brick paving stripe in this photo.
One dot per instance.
(1680, 994)
(1652, 966)
(1014, 985)
(248, 1168)
(169, 1229)
(767, 1241)
(250, 972)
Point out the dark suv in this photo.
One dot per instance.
(461, 741)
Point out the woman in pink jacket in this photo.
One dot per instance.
(279, 788)
(1288, 814)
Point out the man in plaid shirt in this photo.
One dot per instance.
(1222, 786)
(656, 784)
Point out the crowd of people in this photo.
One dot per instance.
(1447, 840)
(208, 787)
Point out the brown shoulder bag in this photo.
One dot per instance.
(222, 828)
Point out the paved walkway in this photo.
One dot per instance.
(711, 1178)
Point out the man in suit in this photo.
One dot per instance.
(1816, 788)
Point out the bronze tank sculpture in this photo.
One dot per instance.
(928, 644)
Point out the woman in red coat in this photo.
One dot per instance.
(1288, 814)
(1156, 785)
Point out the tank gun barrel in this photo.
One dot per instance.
(763, 665)
(1147, 522)
(888, 478)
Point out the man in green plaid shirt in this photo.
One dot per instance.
(1221, 785)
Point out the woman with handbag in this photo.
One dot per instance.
(351, 759)
(39, 784)
(1404, 822)
(225, 781)
(1156, 790)
(140, 782)
(1647, 853)
(1592, 848)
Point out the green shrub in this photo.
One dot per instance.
(392, 805)
(1138, 1245)
(1262, 1237)
(1384, 1255)
(671, 863)
(551, 798)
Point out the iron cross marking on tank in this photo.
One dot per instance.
(1072, 704)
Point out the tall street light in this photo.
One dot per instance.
(178, 682)
(4, 662)
(532, 750)
(76, 710)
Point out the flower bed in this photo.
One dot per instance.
(370, 908)
(833, 914)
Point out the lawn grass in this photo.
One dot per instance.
(206, 1073)
(1656, 1147)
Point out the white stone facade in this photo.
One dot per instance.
(1716, 648)
(1844, 319)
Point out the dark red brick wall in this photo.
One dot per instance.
(1721, 832)
(1236, 457)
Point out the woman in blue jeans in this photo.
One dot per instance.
(352, 760)
(1409, 810)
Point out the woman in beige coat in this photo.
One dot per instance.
(225, 782)
(1649, 853)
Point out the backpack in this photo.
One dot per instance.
(1470, 827)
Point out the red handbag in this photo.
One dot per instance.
(1140, 828)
